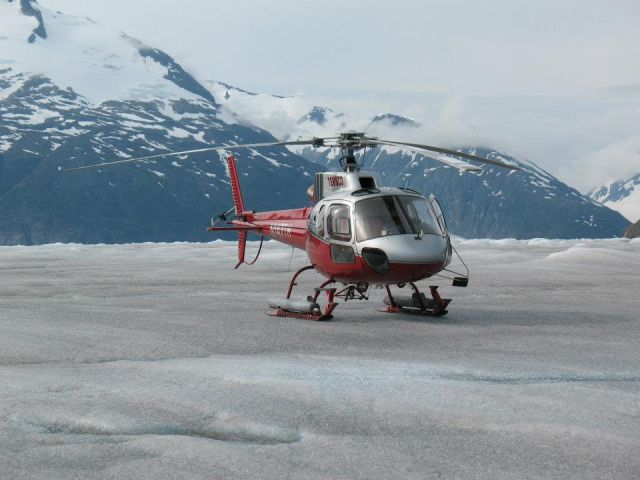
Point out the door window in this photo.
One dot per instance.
(339, 223)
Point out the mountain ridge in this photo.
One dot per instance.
(119, 98)
(476, 204)
(51, 121)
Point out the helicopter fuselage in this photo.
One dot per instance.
(380, 236)
(357, 232)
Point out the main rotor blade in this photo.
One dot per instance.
(315, 141)
(452, 162)
(446, 151)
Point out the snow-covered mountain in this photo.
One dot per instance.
(496, 203)
(74, 93)
(621, 195)
(289, 118)
(493, 203)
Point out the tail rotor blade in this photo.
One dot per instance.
(222, 217)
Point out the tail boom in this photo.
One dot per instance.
(286, 226)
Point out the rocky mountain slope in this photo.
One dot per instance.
(497, 203)
(74, 93)
(633, 231)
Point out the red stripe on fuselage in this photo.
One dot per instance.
(320, 255)
(291, 227)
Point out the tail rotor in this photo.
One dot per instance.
(223, 217)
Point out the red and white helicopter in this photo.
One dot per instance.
(357, 233)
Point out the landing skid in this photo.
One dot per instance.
(417, 303)
(310, 309)
(281, 312)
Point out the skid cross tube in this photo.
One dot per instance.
(316, 313)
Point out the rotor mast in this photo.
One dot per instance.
(349, 143)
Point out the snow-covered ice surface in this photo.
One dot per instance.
(157, 361)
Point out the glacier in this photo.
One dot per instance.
(158, 361)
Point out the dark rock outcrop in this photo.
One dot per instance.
(633, 231)
(31, 9)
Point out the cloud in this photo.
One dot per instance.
(553, 82)
(616, 161)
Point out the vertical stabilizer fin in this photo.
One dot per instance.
(238, 202)
(242, 245)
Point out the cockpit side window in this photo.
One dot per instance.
(419, 215)
(438, 212)
(339, 223)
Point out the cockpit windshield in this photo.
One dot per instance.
(394, 215)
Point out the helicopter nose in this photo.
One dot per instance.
(410, 249)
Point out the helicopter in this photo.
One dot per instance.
(357, 234)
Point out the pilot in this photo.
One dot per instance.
(379, 223)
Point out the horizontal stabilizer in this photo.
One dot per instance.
(234, 228)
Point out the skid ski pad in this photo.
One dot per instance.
(304, 316)
(417, 304)
(413, 311)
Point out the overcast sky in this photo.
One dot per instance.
(555, 81)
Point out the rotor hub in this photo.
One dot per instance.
(349, 143)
